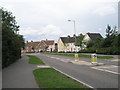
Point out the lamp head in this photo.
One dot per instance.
(69, 20)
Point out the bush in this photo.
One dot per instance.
(11, 41)
(108, 51)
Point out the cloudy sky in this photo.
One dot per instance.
(48, 19)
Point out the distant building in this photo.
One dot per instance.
(31, 46)
(90, 37)
(44, 45)
(56, 47)
(66, 44)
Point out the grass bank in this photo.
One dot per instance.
(50, 78)
(34, 60)
(80, 55)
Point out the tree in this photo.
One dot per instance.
(79, 39)
(11, 41)
(111, 34)
(108, 31)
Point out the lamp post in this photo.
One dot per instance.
(74, 25)
(76, 55)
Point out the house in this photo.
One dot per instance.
(90, 37)
(44, 45)
(31, 47)
(56, 47)
(66, 44)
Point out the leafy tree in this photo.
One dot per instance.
(109, 45)
(12, 42)
(108, 31)
(111, 34)
(79, 39)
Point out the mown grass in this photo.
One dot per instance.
(50, 78)
(34, 60)
(80, 55)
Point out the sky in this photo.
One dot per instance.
(48, 19)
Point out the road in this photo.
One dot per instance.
(84, 73)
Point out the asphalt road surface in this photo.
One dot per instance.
(19, 75)
(96, 78)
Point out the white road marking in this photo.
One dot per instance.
(105, 70)
(67, 59)
(52, 57)
(57, 58)
(63, 60)
(114, 66)
(75, 79)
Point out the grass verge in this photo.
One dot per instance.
(50, 78)
(34, 60)
(80, 55)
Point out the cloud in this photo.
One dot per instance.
(51, 29)
(49, 17)
(105, 10)
(47, 31)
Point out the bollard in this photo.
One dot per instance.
(76, 57)
(93, 58)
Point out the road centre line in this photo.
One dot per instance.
(105, 70)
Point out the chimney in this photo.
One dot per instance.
(68, 36)
(74, 35)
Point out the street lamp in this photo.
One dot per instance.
(76, 55)
(74, 25)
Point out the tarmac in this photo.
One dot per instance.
(19, 75)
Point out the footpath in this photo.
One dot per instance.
(19, 75)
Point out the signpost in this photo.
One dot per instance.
(76, 57)
(94, 58)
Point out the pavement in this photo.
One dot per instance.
(19, 75)
(104, 76)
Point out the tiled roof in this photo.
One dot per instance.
(48, 42)
(94, 36)
(31, 44)
(68, 39)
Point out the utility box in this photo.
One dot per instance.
(76, 57)
(94, 58)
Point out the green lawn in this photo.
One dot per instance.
(80, 55)
(34, 60)
(50, 78)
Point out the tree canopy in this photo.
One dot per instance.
(108, 45)
(12, 42)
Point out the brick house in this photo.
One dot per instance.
(31, 47)
(44, 45)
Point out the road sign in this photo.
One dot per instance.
(76, 57)
(94, 58)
